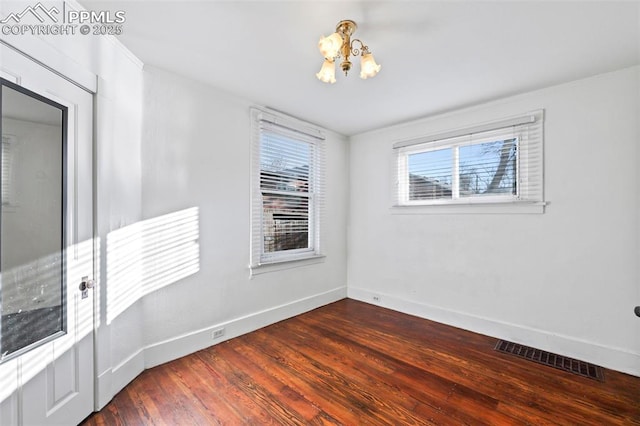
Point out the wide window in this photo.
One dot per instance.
(287, 189)
(493, 163)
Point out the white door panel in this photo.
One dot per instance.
(51, 380)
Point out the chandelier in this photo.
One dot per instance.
(340, 45)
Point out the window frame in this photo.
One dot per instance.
(526, 129)
(266, 122)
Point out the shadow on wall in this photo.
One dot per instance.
(149, 255)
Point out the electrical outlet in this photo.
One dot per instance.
(376, 298)
(218, 333)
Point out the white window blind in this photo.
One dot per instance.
(499, 162)
(6, 164)
(287, 189)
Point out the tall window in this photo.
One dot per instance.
(287, 199)
(493, 163)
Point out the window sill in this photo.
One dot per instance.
(281, 265)
(476, 208)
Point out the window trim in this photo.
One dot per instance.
(308, 134)
(530, 197)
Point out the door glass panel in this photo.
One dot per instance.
(32, 288)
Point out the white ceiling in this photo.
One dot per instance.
(435, 55)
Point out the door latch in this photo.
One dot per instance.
(85, 285)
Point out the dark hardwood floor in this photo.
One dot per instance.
(352, 363)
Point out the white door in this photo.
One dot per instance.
(46, 246)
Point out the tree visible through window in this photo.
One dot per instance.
(488, 168)
(498, 165)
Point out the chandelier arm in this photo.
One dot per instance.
(364, 49)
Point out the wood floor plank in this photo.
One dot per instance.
(380, 400)
(275, 387)
(331, 398)
(446, 360)
(182, 389)
(351, 363)
(271, 408)
(228, 389)
(432, 390)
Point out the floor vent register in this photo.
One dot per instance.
(560, 362)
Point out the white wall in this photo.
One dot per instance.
(565, 280)
(196, 154)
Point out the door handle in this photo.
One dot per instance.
(85, 285)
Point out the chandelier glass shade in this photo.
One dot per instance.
(368, 66)
(330, 46)
(327, 73)
(341, 45)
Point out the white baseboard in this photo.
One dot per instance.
(113, 380)
(605, 356)
(104, 394)
(126, 371)
(179, 346)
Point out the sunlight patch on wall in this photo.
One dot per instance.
(149, 255)
(124, 269)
